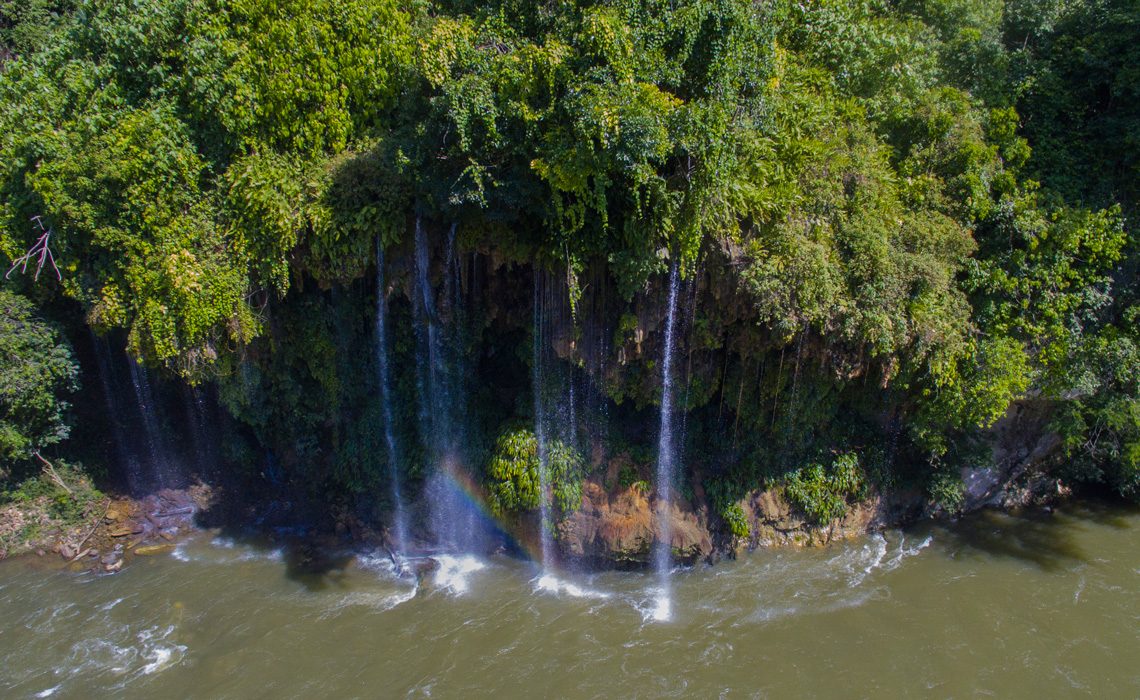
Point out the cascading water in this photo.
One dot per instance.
(163, 474)
(540, 420)
(433, 398)
(204, 447)
(105, 366)
(570, 427)
(666, 462)
(400, 524)
(454, 519)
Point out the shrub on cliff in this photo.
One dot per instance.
(513, 483)
(822, 492)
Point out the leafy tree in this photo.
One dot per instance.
(37, 372)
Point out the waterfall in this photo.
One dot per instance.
(434, 393)
(105, 368)
(454, 518)
(666, 461)
(540, 419)
(162, 469)
(400, 526)
(570, 431)
(204, 446)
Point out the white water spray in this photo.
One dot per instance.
(666, 463)
(540, 431)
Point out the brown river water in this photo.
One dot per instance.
(997, 605)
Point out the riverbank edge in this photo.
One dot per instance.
(615, 527)
(115, 529)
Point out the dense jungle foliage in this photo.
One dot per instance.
(893, 220)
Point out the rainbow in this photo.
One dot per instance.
(474, 495)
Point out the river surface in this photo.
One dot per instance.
(1004, 606)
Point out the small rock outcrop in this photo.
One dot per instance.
(773, 522)
(620, 528)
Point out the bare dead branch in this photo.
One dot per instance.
(50, 471)
(39, 255)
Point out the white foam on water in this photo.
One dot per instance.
(858, 563)
(160, 658)
(380, 566)
(179, 553)
(149, 651)
(157, 651)
(248, 552)
(549, 583)
(453, 572)
(383, 564)
(769, 614)
(64, 611)
(49, 692)
(657, 608)
(904, 552)
(98, 655)
(380, 602)
(790, 585)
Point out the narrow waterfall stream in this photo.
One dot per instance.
(162, 469)
(400, 516)
(457, 523)
(666, 461)
(546, 537)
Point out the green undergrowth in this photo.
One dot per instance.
(38, 509)
(822, 492)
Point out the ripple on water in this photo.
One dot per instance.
(224, 550)
(792, 584)
(377, 600)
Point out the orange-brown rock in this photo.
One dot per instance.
(622, 528)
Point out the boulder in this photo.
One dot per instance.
(125, 529)
(149, 550)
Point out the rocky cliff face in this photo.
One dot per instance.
(617, 526)
(773, 522)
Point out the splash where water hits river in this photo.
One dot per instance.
(995, 605)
